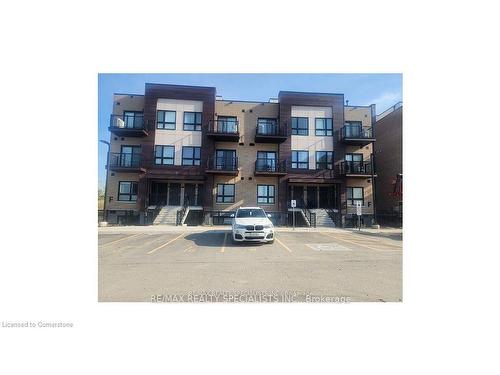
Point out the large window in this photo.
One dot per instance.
(324, 160)
(355, 194)
(165, 120)
(300, 159)
(300, 126)
(265, 194)
(225, 193)
(192, 121)
(227, 124)
(130, 156)
(127, 191)
(225, 160)
(267, 126)
(266, 161)
(164, 155)
(324, 126)
(133, 119)
(191, 155)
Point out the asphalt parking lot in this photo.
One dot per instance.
(311, 266)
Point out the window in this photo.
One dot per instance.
(300, 126)
(267, 126)
(244, 213)
(353, 129)
(225, 160)
(300, 159)
(225, 193)
(165, 120)
(227, 124)
(127, 191)
(266, 161)
(132, 119)
(265, 194)
(192, 121)
(324, 160)
(130, 156)
(191, 155)
(324, 126)
(354, 163)
(355, 194)
(164, 155)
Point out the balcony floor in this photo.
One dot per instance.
(128, 132)
(224, 137)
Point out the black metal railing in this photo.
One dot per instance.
(223, 126)
(124, 160)
(356, 167)
(311, 216)
(356, 131)
(270, 165)
(269, 128)
(222, 163)
(135, 121)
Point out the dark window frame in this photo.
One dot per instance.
(297, 162)
(329, 164)
(225, 158)
(164, 157)
(268, 123)
(268, 196)
(295, 129)
(131, 191)
(164, 122)
(221, 198)
(326, 131)
(196, 126)
(351, 200)
(126, 114)
(196, 161)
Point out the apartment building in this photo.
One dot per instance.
(182, 154)
(389, 161)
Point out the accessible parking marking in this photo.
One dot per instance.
(351, 242)
(165, 244)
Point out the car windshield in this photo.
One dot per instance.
(250, 212)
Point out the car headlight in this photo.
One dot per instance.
(238, 226)
(267, 226)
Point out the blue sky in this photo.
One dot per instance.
(383, 90)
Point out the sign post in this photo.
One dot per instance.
(293, 204)
(358, 213)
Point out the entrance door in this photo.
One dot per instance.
(312, 197)
(189, 194)
(326, 197)
(158, 193)
(174, 195)
(266, 161)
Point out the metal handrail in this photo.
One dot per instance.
(125, 160)
(180, 213)
(127, 121)
(356, 167)
(356, 131)
(223, 126)
(270, 165)
(268, 128)
(222, 163)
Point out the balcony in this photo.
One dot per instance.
(223, 166)
(356, 168)
(269, 132)
(356, 135)
(223, 130)
(270, 167)
(128, 125)
(119, 162)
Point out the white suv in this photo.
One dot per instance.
(252, 224)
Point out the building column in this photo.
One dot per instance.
(195, 195)
(168, 193)
(182, 194)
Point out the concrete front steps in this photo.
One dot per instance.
(322, 218)
(167, 215)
